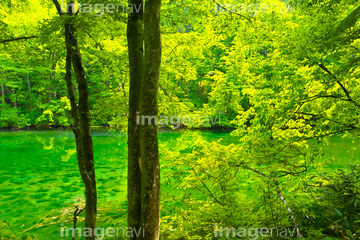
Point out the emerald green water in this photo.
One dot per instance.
(39, 176)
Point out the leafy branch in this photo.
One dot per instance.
(281, 196)
(323, 67)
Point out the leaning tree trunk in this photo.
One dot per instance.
(135, 49)
(150, 182)
(81, 125)
(86, 139)
(83, 162)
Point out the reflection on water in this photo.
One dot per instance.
(38, 173)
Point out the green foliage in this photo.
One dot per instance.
(9, 117)
(55, 113)
(337, 201)
(211, 190)
(200, 219)
(111, 110)
(286, 80)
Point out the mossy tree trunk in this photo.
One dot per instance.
(144, 168)
(135, 49)
(150, 184)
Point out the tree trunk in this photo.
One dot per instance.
(135, 50)
(86, 139)
(3, 93)
(90, 210)
(13, 92)
(150, 182)
(52, 76)
(81, 125)
(28, 82)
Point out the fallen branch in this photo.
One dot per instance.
(37, 222)
(76, 214)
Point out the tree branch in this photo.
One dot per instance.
(212, 195)
(58, 7)
(234, 12)
(322, 66)
(170, 53)
(76, 214)
(16, 39)
(280, 195)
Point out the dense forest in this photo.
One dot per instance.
(179, 119)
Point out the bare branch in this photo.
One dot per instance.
(212, 195)
(234, 13)
(281, 196)
(16, 39)
(322, 66)
(76, 214)
(170, 53)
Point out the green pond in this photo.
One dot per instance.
(39, 175)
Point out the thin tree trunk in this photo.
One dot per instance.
(28, 82)
(81, 128)
(74, 108)
(3, 93)
(281, 197)
(13, 92)
(86, 139)
(135, 49)
(90, 214)
(150, 182)
(52, 75)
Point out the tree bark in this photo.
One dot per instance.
(150, 182)
(90, 214)
(135, 50)
(86, 139)
(81, 125)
